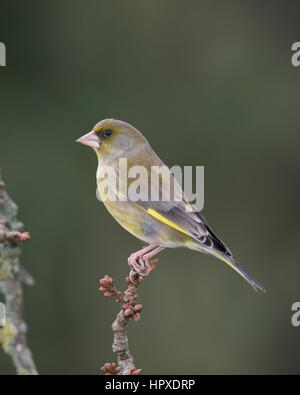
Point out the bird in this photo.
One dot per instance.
(159, 223)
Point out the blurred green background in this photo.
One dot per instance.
(208, 83)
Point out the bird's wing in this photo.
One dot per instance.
(181, 215)
(178, 213)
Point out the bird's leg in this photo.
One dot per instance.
(140, 261)
(145, 261)
(134, 256)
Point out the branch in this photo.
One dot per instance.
(12, 274)
(129, 310)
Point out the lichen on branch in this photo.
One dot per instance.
(12, 275)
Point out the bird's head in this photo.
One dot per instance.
(112, 137)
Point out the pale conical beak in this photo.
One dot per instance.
(90, 139)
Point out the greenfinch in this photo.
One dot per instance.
(160, 223)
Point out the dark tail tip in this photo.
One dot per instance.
(256, 286)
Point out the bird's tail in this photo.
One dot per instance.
(235, 266)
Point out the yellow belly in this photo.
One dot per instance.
(128, 217)
(143, 226)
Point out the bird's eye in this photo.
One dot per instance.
(107, 132)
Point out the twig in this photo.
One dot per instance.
(12, 274)
(129, 310)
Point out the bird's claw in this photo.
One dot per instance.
(140, 265)
(133, 277)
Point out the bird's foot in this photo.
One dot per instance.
(141, 265)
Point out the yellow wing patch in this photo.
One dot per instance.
(166, 221)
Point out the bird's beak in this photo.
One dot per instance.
(90, 139)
